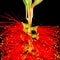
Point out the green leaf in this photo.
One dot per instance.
(27, 3)
(36, 2)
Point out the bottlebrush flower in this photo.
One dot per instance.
(18, 45)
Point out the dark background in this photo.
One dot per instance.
(46, 13)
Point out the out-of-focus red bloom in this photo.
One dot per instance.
(18, 45)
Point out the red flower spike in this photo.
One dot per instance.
(18, 45)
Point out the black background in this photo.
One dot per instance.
(46, 13)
